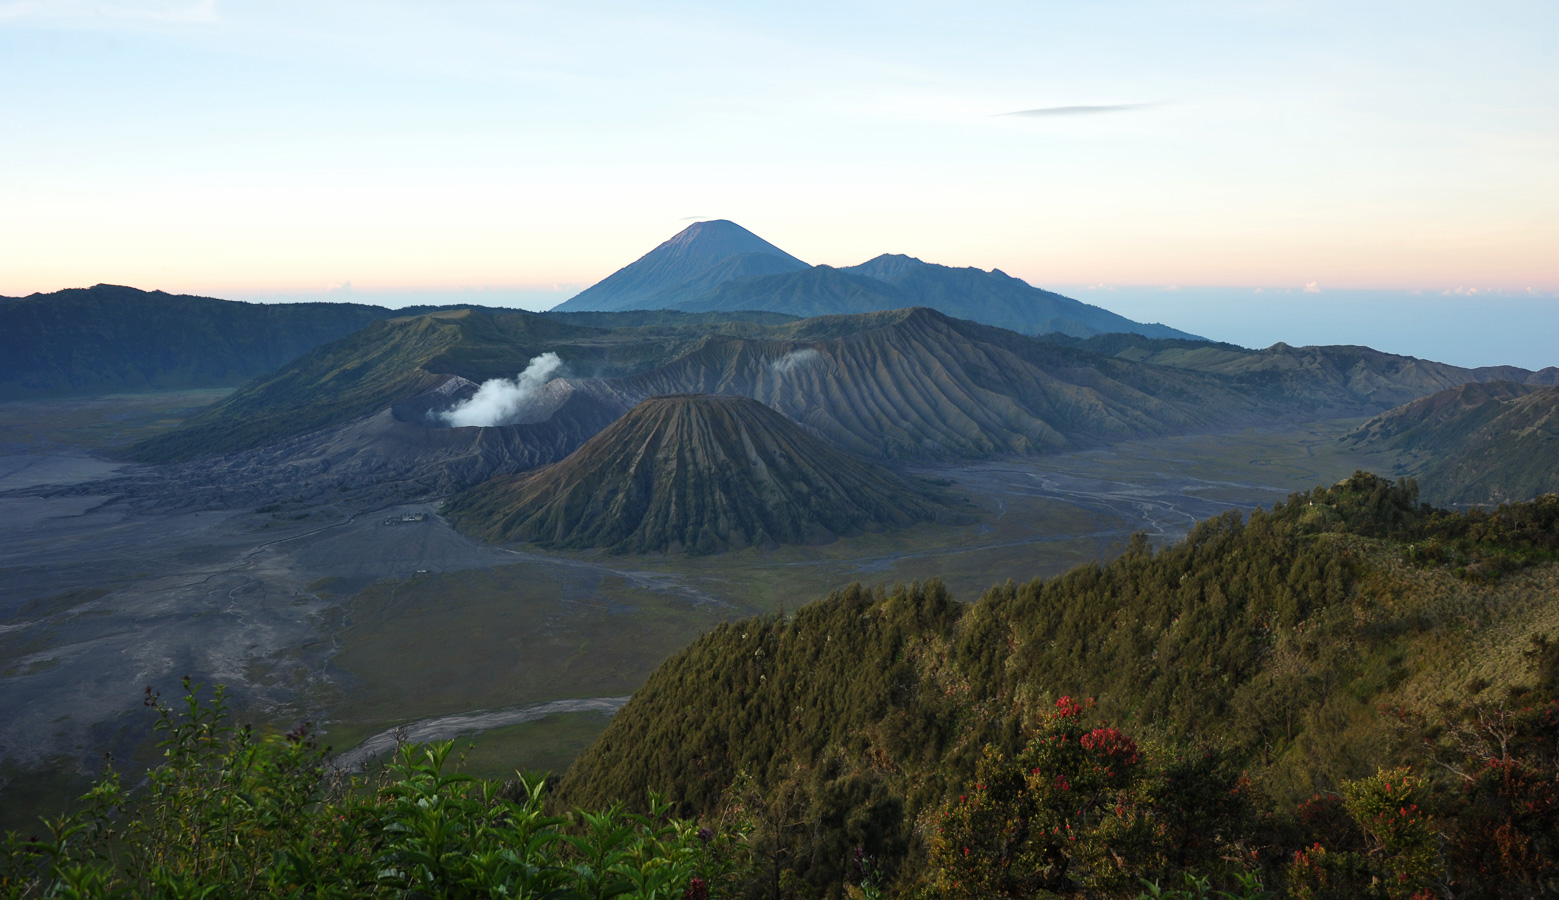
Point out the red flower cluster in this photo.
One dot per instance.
(1110, 742)
(1067, 708)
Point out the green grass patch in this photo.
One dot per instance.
(504, 637)
(545, 745)
(102, 422)
(47, 788)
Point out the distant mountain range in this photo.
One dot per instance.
(902, 384)
(719, 265)
(694, 262)
(909, 384)
(394, 361)
(1475, 443)
(112, 338)
(1311, 378)
(356, 395)
(695, 473)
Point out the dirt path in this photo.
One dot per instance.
(442, 728)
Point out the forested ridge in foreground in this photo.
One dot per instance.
(1255, 689)
(1350, 695)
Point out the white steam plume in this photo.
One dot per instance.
(501, 401)
(793, 360)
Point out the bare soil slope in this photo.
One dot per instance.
(698, 474)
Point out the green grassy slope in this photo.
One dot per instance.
(1478, 443)
(355, 376)
(381, 365)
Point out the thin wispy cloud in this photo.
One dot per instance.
(1048, 111)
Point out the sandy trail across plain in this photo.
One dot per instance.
(441, 728)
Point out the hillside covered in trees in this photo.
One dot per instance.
(1254, 692)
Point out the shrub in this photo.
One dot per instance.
(229, 814)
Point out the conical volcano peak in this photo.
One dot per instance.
(718, 239)
(696, 473)
(689, 264)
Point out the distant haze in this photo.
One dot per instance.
(1464, 329)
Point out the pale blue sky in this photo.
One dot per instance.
(516, 151)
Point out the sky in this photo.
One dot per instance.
(1236, 169)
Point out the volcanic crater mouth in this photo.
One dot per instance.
(440, 408)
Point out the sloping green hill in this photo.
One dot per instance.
(378, 367)
(111, 338)
(694, 473)
(1276, 639)
(1477, 443)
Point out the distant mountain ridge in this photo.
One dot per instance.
(1359, 377)
(113, 338)
(895, 385)
(720, 266)
(1475, 443)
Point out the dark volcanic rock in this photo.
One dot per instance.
(389, 456)
(695, 473)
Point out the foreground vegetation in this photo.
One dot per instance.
(1352, 695)
(1278, 684)
(229, 813)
